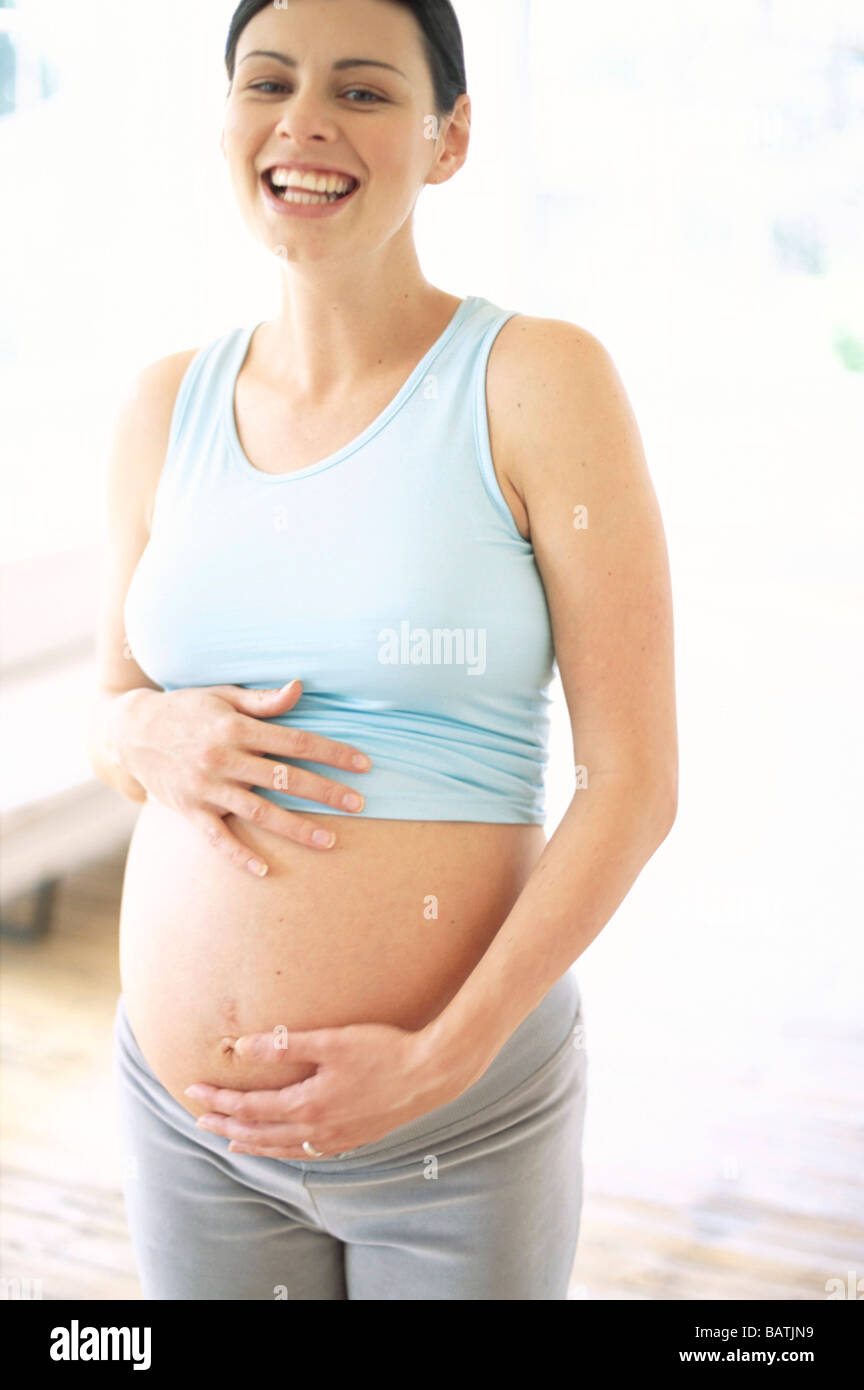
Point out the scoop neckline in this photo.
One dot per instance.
(230, 423)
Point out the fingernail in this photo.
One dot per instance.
(256, 867)
(324, 837)
(351, 801)
(360, 760)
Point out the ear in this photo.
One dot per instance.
(451, 155)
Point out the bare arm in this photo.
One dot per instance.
(138, 447)
(571, 441)
(198, 751)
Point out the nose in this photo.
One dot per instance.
(305, 116)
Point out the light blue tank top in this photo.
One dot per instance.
(390, 577)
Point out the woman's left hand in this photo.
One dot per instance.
(371, 1078)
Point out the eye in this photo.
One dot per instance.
(259, 86)
(364, 91)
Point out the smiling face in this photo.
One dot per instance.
(296, 100)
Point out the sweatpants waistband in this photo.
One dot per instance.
(539, 1037)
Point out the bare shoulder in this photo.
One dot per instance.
(544, 340)
(141, 432)
(553, 391)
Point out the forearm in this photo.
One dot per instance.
(607, 835)
(104, 735)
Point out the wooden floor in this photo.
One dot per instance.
(63, 1221)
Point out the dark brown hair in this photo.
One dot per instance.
(442, 42)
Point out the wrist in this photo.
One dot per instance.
(121, 725)
(452, 1054)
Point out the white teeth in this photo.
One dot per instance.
(308, 179)
(292, 196)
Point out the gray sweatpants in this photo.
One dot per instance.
(478, 1199)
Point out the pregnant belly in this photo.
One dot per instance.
(384, 928)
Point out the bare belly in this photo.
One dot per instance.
(383, 928)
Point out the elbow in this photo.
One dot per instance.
(667, 811)
(655, 790)
(668, 821)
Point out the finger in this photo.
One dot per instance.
(271, 1153)
(272, 1136)
(282, 1045)
(220, 838)
(317, 1045)
(215, 1097)
(293, 781)
(259, 703)
(261, 1047)
(285, 741)
(288, 1103)
(291, 825)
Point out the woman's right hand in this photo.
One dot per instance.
(199, 751)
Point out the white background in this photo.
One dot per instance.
(684, 181)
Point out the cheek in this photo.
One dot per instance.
(239, 136)
(399, 158)
(230, 124)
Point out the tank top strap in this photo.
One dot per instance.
(467, 352)
(198, 409)
(493, 320)
(448, 417)
(210, 363)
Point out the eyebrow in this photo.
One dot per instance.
(337, 66)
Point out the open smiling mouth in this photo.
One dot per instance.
(309, 189)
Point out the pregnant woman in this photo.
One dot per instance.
(347, 547)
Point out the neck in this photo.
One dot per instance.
(337, 328)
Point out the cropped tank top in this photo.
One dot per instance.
(390, 577)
